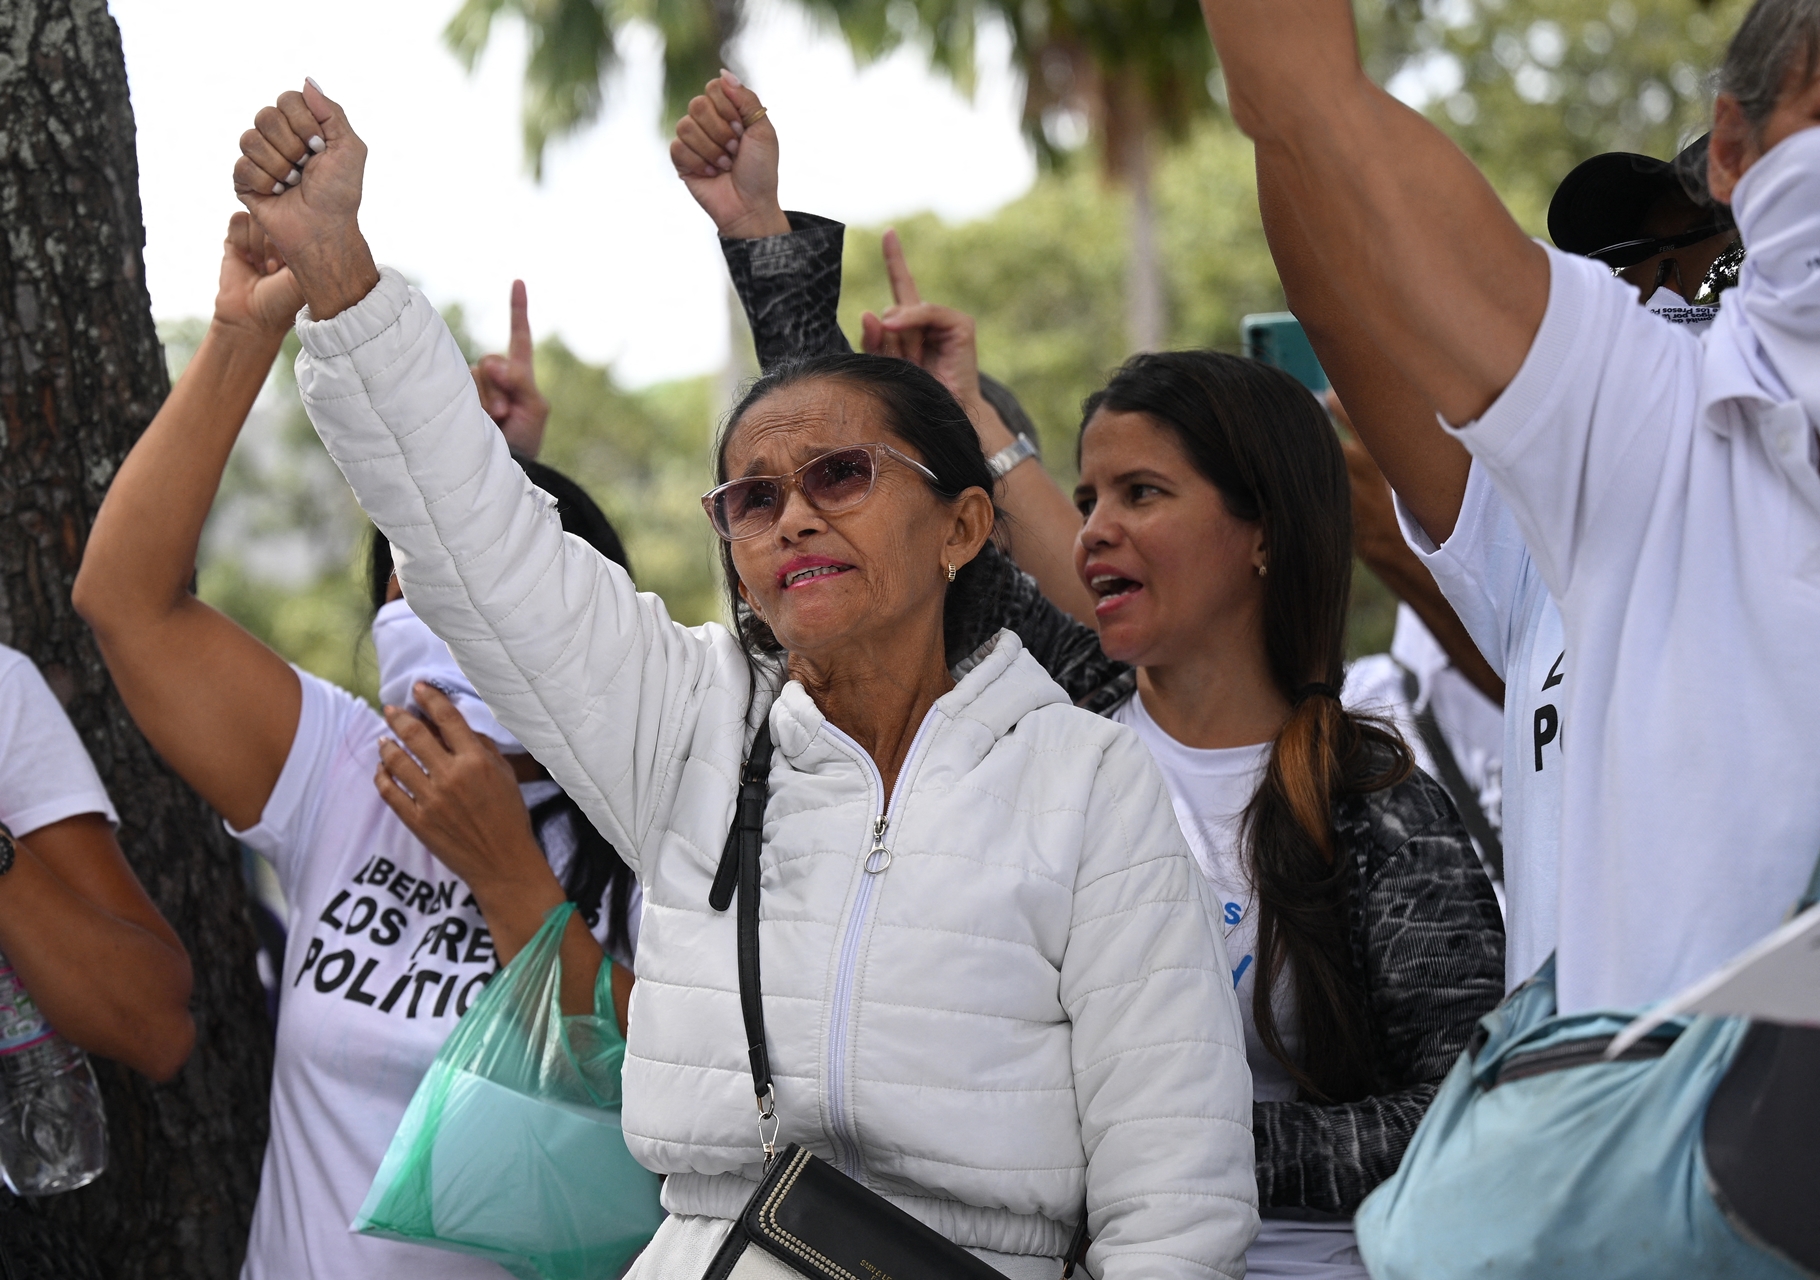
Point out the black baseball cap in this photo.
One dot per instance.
(1605, 200)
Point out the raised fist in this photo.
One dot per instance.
(257, 292)
(725, 151)
(299, 174)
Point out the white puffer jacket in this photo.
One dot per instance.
(1028, 1010)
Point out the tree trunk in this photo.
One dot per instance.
(81, 374)
(1128, 129)
(1145, 325)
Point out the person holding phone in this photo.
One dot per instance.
(1211, 533)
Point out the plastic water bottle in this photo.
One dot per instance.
(53, 1130)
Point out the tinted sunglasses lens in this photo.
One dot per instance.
(745, 507)
(839, 480)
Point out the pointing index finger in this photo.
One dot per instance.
(518, 349)
(903, 284)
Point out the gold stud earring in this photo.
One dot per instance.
(951, 572)
(1263, 570)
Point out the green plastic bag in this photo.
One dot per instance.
(511, 1149)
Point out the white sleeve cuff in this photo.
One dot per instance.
(351, 329)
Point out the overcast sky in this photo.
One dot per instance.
(617, 258)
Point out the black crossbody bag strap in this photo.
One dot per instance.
(1453, 779)
(803, 1209)
(738, 871)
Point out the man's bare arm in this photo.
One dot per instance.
(1395, 421)
(1418, 247)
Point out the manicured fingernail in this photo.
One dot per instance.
(311, 81)
(730, 78)
(292, 178)
(739, 128)
(732, 146)
(710, 173)
(316, 143)
(725, 163)
(278, 188)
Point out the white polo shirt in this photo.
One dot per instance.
(1666, 487)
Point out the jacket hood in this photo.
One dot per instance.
(995, 689)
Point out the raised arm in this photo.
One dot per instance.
(1041, 522)
(1416, 244)
(217, 704)
(785, 267)
(1394, 419)
(597, 682)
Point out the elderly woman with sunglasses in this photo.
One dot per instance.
(993, 991)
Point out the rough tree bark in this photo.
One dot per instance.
(81, 374)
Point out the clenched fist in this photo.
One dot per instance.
(725, 151)
(299, 174)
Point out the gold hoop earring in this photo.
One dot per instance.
(951, 572)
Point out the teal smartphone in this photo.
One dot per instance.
(1277, 338)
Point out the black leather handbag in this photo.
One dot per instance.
(807, 1214)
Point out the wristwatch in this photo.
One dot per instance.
(7, 849)
(1017, 451)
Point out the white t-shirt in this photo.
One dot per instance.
(1471, 724)
(45, 774)
(1666, 486)
(1209, 790)
(1485, 571)
(386, 949)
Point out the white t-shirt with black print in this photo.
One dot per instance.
(1485, 571)
(386, 949)
(45, 774)
(1210, 790)
(1666, 486)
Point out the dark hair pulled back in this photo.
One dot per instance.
(1263, 441)
(916, 410)
(597, 875)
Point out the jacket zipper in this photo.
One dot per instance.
(878, 858)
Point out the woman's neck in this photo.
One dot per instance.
(1218, 695)
(877, 698)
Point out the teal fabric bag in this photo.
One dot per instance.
(511, 1148)
(1540, 1158)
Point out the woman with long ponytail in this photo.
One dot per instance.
(1213, 547)
(1365, 937)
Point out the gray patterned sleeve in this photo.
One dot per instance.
(1002, 595)
(789, 286)
(1433, 946)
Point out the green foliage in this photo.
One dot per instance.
(644, 457)
(1118, 67)
(1540, 85)
(1044, 276)
(573, 48)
